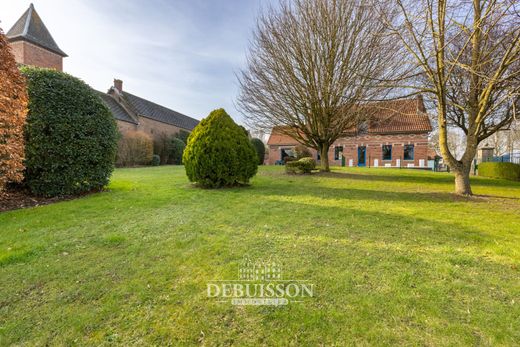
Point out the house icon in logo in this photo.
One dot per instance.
(250, 270)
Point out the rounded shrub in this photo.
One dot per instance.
(219, 153)
(260, 149)
(156, 160)
(302, 166)
(71, 136)
(307, 164)
(508, 171)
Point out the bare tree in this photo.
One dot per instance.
(467, 56)
(311, 64)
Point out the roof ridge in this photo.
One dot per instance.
(28, 20)
(157, 112)
(155, 104)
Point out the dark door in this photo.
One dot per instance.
(362, 156)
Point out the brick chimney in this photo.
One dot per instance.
(118, 85)
(420, 103)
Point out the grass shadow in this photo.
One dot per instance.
(407, 178)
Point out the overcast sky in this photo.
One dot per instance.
(179, 53)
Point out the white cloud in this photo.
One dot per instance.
(181, 54)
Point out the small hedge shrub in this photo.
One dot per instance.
(183, 135)
(156, 160)
(134, 148)
(288, 159)
(260, 149)
(161, 147)
(508, 171)
(219, 153)
(71, 136)
(302, 166)
(176, 150)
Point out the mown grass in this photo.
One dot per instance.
(394, 256)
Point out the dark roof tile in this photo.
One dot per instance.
(118, 112)
(159, 113)
(30, 28)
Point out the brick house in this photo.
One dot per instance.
(133, 113)
(396, 135)
(32, 44)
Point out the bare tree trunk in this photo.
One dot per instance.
(462, 183)
(324, 156)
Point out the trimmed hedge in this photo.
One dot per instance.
(302, 166)
(219, 153)
(71, 136)
(508, 171)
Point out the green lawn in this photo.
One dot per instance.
(395, 259)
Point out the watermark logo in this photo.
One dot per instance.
(260, 283)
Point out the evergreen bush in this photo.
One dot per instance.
(219, 153)
(176, 150)
(156, 160)
(260, 149)
(302, 166)
(71, 136)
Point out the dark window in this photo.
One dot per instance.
(338, 152)
(387, 152)
(287, 152)
(408, 152)
(362, 156)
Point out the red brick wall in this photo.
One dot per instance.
(374, 150)
(28, 54)
(17, 48)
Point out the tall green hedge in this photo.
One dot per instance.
(260, 149)
(71, 136)
(176, 150)
(508, 171)
(219, 153)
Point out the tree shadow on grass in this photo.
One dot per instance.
(291, 188)
(403, 177)
(316, 219)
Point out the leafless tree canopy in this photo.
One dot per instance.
(466, 56)
(310, 65)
